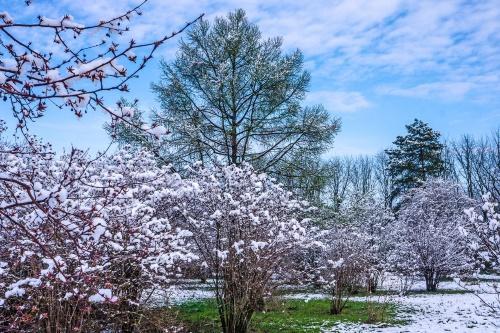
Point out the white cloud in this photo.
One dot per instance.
(442, 90)
(338, 101)
(421, 44)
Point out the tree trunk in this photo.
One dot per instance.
(372, 284)
(238, 322)
(261, 304)
(232, 319)
(431, 281)
(335, 308)
(336, 305)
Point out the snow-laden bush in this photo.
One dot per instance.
(244, 226)
(483, 235)
(344, 264)
(351, 252)
(484, 227)
(82, 240)
(368, 217)
(426, 237)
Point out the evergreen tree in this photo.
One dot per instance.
(416, 157)
(231, 97)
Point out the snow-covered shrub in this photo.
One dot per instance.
(483, 235)
(484, 229)
(368, 217)
(244, 226)
(306, 262)
(81, 240)
(344, 264)
(426, 236)
(145, 249)
(351, 252)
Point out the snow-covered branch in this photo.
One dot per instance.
(71, 65)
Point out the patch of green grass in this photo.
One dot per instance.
(286, 316)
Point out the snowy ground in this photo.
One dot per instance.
(459, 312)
(435, 313)
(179, 294)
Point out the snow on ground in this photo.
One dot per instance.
(178, 294)
(489, 277)
(392, 282)
(434, 313)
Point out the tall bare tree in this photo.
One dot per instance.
(383, 178)
(339, 178)
(477, 164)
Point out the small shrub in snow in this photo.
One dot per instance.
(350, 253)
(368, 217)
(483, 235)
(426, 234)
(244, 226)
(344, 266)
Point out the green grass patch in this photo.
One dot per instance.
(286, 316)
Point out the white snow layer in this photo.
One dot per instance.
(434, 313)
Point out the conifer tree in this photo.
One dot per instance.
(233, 97)
(415, 157)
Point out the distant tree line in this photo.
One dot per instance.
(473, 163)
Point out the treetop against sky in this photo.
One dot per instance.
(377, 65)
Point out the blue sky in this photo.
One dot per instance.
(375, 64)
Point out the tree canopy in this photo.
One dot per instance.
(231, 96)
(415, 157)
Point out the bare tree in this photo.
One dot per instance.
(339, 178)
(477, 164)
(464, 150)
(362, 175)
(486, 167)
(383, 178)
